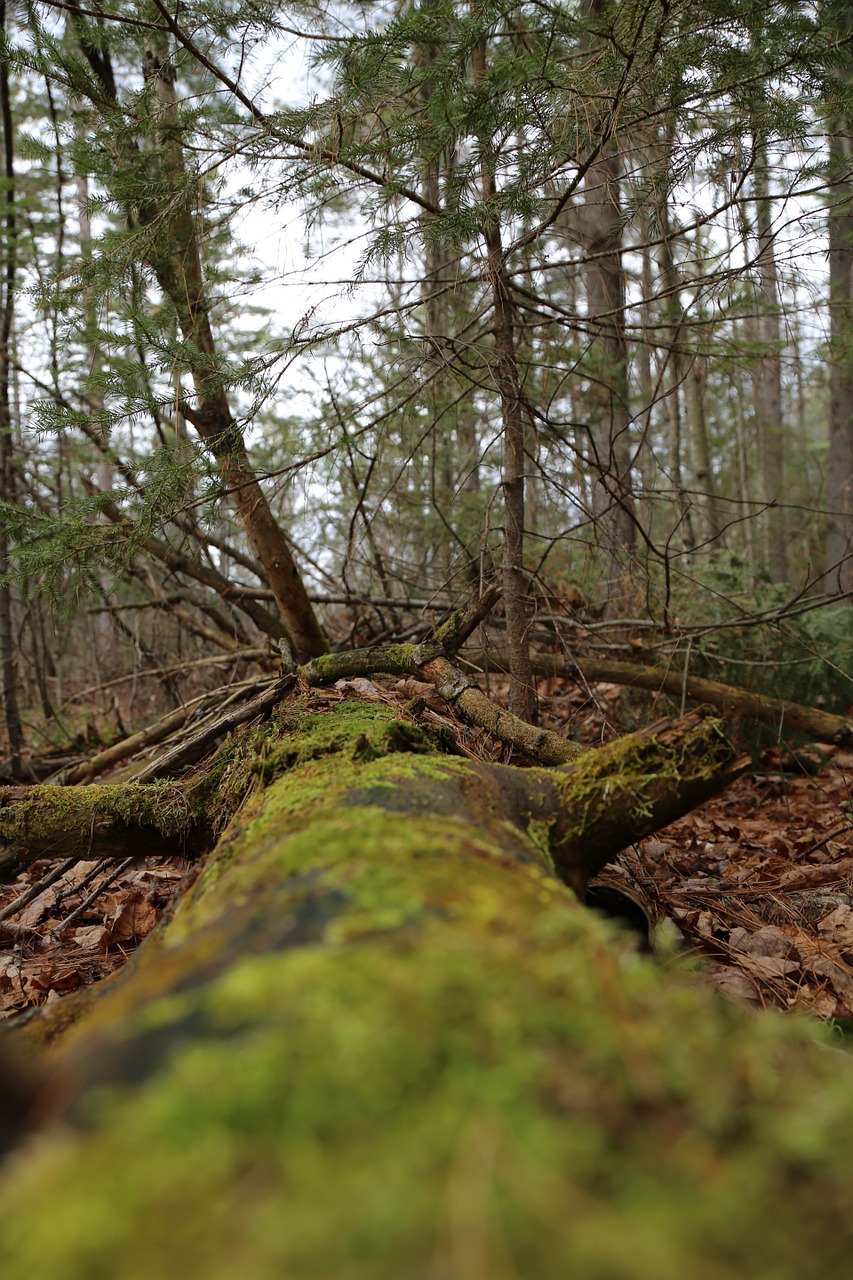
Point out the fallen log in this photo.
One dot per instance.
(606, 800)
(733, 702)
(378, 1038)
(91, 822)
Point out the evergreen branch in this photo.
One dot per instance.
(262, 118)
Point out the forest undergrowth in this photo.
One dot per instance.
(756, 885)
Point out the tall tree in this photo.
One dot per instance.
(839, 536)
(8, 673)
(602, 224)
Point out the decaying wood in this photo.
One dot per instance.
(378, 1038)
(429, 661)
(776, 713)
(607, 800)
(173, 762)
(636, 785)
(109, 821)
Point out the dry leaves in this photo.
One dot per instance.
(760, 883)
(42, 959)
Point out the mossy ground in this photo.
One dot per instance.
(374, 1045)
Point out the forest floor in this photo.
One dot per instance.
(757, 884)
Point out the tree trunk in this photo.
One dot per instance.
(179, 272)
(172, 251)
(710, 523)
(767, 374)
(610, 415)
(379, 1039)
(522, 693)
(839, 534)
(8, 671)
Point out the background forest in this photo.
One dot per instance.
(317, 319)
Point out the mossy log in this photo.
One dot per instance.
(593, 808)
(379, 1038)
(91, 822)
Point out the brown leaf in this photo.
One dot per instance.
(90, 936)
(135, 918)
(838, 927)
(360, 685)
(821, 959)
(43, 905)
(772, 943)
(735, 983)
(50, 977)
(412, 688)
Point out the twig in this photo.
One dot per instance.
(461, 624)
(35, 891)
(79, 885)
(94, 895)
(191, 749)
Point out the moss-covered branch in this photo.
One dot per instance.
(90, 822)
(430, 662)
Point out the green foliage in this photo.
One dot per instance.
(804, 657)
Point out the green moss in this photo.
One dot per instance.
(68, 816)
(633, 767)
(371, 1044)
(456, 1073)
(539, 830)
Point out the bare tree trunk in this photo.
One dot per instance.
(523, 701)
(646, 459)
(700, 453)
(179, 273)
(601, 223)
(675, 363)
(839, 534)
(767, 373)
(8, 674)
(173, 253)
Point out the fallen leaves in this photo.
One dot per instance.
(760, 884)
(42, 958)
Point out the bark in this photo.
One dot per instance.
(8, 672)
(700, 453)
(613, 500)
(839, 534)
(378, 1039)
(522, 697)
(767, 373)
